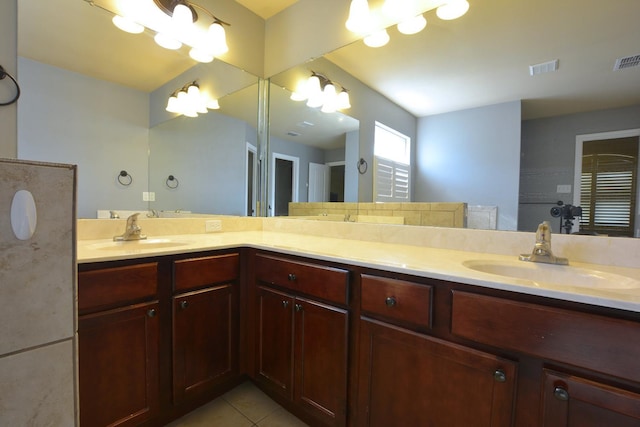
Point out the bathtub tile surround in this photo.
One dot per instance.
(37, 289)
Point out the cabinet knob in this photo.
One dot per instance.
(285, 303)
(151, 312)
(298, 307)
(291, 277)
(499, 376)
(561, 394)
(184, 304)
(390, 301)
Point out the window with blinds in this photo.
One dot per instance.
(392, 165)
(608, 186)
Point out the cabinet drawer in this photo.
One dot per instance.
(599, 343)
(397, 300)
(199, 272)
(327, 283)
(111, 287)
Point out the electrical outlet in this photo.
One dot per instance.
(566, 188)
(211, 225)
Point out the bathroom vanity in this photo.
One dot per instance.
(343, 339)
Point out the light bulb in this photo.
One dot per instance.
(167, 41)
(453, 9)
(343, 100)
(182, 18)
(127, 24)
(329, 99)
(213, 104)
(377, 39)
(359, 16)
(300, 94)
(216, 39)
(412, 25)
(181, 105)
(200, 55)
(172, 104)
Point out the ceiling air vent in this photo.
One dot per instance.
(627, 62)
(544, 67)
(292, 133)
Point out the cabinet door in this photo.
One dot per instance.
(321, 360)
(576, 402)
(275, 345)
(409, 379)
(204, 340)
(118, 366)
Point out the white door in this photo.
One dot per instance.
(318, 182)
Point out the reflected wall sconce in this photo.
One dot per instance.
(372, 24)
(191, 101)
(175, 23)
(320, 92)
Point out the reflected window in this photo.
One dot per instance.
(608, 186)
(392, 165)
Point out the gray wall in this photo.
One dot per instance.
(548, 158)
(102, 127)
(207, 156)
(9, 61)
(471, 156)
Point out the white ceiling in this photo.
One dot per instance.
(480, 59)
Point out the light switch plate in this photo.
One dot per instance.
(566, 188)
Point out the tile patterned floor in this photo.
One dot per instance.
(244, 406)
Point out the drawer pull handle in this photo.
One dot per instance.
(291, 277)
(500, 376)
(561, 394)
(184, 304)
(298, 307)
(285, 304)
(151, 312)
(390, 301)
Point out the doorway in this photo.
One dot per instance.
(251, 179)
(284, 183)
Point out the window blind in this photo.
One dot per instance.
(608, 186)
(391, 182)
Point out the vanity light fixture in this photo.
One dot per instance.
(190, 101)
(320, 92)
(409, 18)
(175, 23)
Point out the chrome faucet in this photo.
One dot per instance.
(542, 249)
(114, 215)
(133, 230)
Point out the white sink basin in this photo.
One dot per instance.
(562, 275)
(137, 245)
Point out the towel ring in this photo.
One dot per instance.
(124, 178)
(170, 181)
(362, 166)
(4, 74)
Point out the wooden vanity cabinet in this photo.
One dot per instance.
(409, 378)
(118, 341)
(603, 349)
(302, 335)
(205, 324)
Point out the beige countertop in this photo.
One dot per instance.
(620, 285)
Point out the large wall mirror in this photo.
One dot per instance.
(105, 111)
(486, 130)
